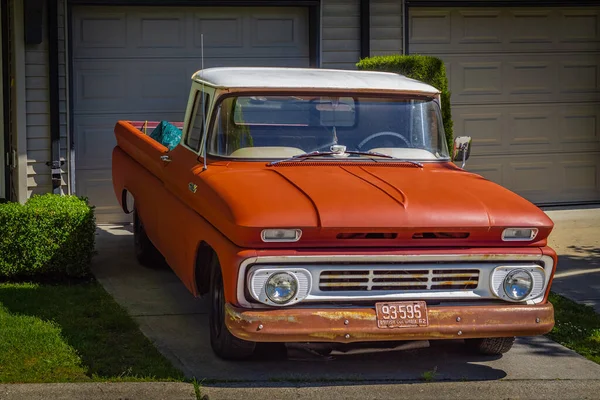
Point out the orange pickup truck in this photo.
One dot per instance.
(324, 206)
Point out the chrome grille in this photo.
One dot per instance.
(398, 279)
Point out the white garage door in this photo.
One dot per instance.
(525, 85)
(136, 63)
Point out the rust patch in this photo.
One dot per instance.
(352, 315)
(324, 335)
(262, 317)
(233, 315)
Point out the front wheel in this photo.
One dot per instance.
(490, 346)
(223, 343)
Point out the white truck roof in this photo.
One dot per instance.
(310, 78)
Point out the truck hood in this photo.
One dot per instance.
(403, 200)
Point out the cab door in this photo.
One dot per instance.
(180, 169)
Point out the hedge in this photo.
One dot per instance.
(427, 69)
(48, 236)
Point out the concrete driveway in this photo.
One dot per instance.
(178, 324)
(576, 239)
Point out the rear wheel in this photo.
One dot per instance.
(145, 252)
(223, 343)
(490, 346)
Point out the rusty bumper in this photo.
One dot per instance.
(360, 325)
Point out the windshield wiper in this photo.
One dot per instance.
(303, 156)
(334, 153)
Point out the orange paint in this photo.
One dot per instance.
(234, 200)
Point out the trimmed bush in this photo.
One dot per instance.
(48, 236)
(426, 69)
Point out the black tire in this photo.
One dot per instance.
(145, 252)
(490, 346)
(223, 343)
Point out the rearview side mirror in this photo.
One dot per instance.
(462, 149)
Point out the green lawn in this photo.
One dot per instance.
(72, 332)
(577, 327)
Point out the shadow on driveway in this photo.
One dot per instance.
(578, 275)
(178, 325)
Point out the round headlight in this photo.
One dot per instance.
(281, 287)
(518, 284)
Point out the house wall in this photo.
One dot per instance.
(387, 27)
(38, 111)
(340, 33)
(2, 133)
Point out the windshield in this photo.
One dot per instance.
(275, 127)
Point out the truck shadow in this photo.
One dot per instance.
(178, 325)
(578, 275)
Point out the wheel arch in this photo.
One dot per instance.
(205, 255)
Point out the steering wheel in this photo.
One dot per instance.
(384, 133)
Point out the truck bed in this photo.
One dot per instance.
(133, 137)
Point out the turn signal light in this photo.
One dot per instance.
(519, 234)
(281, 235)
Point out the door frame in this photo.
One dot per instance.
(4, 103)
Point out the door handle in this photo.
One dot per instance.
(165, 158)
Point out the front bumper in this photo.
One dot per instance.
(360, 325)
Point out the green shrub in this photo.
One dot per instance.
(426, 69)
(48, 236)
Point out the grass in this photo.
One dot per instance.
(429, 376)
(577, 327)
(73, 332)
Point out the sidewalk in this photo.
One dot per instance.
(99, 391)
(527, 389)
(576, 239)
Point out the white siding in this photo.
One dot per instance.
(38, 111)
(340, 34)
(386, 27)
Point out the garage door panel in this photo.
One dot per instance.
(580, 175)
(580, 125)
(136, 63)
(99, 29)
(545, 178)
(580, 26)
(580, 75)
(284, 33)
(97, 186)
(530, 77)
(525, 85)
(96, 140)
(140, 86)
(429, 30)
(532, 128)
(229, 27)
(523, 78)
(499, 30)
(532, 26)
(484, 125)
(531, 131)
(97, 84)
(164, 30)
(139, 34)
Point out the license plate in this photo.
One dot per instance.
(402, 314)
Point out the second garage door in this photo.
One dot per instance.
(525, 85)
(136, 63)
